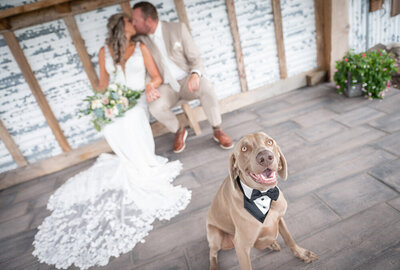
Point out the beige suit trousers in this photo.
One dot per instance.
(161, 108)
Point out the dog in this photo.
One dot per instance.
(242, 215)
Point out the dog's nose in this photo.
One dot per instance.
(265, 158)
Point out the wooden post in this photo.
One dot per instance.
(193, 123)
(81, 49)
(11, 146)
(280, 46)
(181, 10)
(336, 32)
(319, 32)
(26, 70)
(126, 8)
(230, 6)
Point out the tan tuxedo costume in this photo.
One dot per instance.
(184, 53)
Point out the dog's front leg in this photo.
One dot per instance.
(243, 254)
(301, 253)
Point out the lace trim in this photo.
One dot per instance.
(89, 233)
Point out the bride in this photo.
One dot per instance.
(106, 210)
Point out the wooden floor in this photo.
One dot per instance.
(342, 191)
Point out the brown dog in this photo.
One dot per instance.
(242, 217)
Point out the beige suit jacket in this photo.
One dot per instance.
(180, 47)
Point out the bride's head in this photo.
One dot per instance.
(120, 31)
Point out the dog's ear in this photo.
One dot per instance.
(282, 167)
(233, 171)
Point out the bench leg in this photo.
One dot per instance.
(191, 118)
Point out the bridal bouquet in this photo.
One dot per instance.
(114, 102)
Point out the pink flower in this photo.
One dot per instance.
(363, 55)
(104, 101)
(377, 50)
(110, 113)
(387, 83)
(338, 86)
(346, 60)
(355, 66)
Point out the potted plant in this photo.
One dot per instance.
(367, 73)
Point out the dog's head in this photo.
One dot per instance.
(257, 159)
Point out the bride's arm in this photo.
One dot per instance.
(104, 77)
(151, 88)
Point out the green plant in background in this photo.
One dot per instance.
(372, 69)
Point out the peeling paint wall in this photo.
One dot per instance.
(370, 28)
(50, 52)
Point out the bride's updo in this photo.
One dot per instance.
(116, 36)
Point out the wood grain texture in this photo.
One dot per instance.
(181, 11)
(319, 32)
(11, 146)
(276, 7)
(30, 7)
(230, 6)
(37, 92)
(81, 49)
(126, 8)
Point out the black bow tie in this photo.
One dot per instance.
(272, 193)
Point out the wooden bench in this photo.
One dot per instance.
(190, 116)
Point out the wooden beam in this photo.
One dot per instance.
(11, 146)
(53, 164)
(319, 32)
(26, 70)
(327, 29)
(280, 46)
(337, 14)
(50, 13)
(230, 6)
(92, 150)
(181, 11)
(126, 8)
(81, 49)
(395, 8)
(4, 24)
(30, 7)
(375, 5)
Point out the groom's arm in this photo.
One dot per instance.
(191, 51)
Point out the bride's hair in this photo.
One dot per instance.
(116, 35)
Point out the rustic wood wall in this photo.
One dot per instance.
(252, 49)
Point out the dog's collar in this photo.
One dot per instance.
(250, 205)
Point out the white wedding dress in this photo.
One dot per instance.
(107, 209)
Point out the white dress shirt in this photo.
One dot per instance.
(158, 39)
(263, 203)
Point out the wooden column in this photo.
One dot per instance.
(230, 6)
(126, 8)
(181, 10)
(26, 70)
(280, 46)
(11, 146)
(336, 32)
(319, 32)
(76, 37)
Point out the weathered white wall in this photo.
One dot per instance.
(370, 28)
(298, 22)
(49, 50)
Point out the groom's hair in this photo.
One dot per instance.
(148, 10)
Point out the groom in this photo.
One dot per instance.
(181, 66)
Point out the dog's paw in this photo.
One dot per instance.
(275, 246)
(306, 255)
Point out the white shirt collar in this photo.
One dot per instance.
(158, 32)
(247, 190)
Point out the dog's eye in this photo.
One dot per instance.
(244, 149)
(269, 142)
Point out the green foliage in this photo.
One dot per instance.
(114, 102)
(373, 69)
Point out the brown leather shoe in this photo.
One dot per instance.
(180, 138)
(224, 141)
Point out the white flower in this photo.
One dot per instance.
(124, 101)
(119, 92)
(96, 104)
(113, 87)
(112, 101)
(115, 110)
(105, 100)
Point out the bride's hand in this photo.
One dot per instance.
(152, 93)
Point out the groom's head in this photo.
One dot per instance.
(144, 18)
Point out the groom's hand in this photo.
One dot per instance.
(193, 82)
(152, 93)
